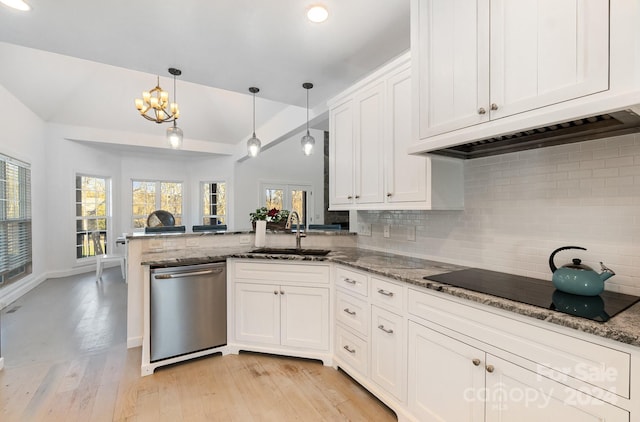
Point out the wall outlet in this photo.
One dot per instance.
(364, 229)
(387, 230)
(245, 239)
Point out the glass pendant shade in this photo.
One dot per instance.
(174, 136)
(307, 143)
(17, 4)
(253, 146)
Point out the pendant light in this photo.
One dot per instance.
(307, 140)
(174, 133)
(254, 144)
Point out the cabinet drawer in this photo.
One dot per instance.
(352, 281)
(386, 294)
(352, 350)
(278, 272)
(558, 355)
(352, 312)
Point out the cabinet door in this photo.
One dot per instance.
(547, 51)
(450, 48)
(305, 317)
(341, 154)
(388, 364)
(257, 312)
(517, 394)
(406, 174)
(444, 375)
(369, 145)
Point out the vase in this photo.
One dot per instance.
(260, 238)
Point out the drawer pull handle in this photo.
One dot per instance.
(352, 351)
(350, 312)
(384, 292)
(490, 368)
(348, 280)
(384, 329)
(476, 362)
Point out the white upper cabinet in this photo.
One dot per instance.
(478, 61)
(370, 131)
(545, 52)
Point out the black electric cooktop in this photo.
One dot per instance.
(538, 292)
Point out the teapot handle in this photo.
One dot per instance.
(552, 265)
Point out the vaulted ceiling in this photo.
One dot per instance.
(81, 63)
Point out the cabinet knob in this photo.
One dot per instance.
(494, 106)
(281, 292)
(490, 368)
(349, 197)
(385, 330)
(349, 311)
(389, 194)
(476, 362)
(357, 196)
(348, 349)
(481, 110)
(275, 292)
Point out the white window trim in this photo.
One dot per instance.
(158, 200)
(202, 216)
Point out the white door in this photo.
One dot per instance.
(519, 395)
(547, 51)
(446, 377)
(406, 174)
(305, 317)
(369, 151)
(452, 68)
(341, 154)
(257, 312)
(388, 365)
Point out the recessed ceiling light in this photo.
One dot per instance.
(17, 4)
(317, 14)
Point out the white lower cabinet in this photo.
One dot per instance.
(280, 308)
(451, 380)
(388, 352)
(282, 315)
(443, 377)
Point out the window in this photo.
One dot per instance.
(92, 213)
(290, 197)
(149, 196)
(15, 219)
(214, 203)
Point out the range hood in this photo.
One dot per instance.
(576, 130)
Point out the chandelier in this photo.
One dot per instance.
(154, 104)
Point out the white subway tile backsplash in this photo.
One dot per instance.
(520, 207)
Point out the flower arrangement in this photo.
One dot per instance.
(272, 215)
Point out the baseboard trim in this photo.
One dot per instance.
(13, 292)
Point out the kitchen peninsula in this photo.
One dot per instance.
(519, 342)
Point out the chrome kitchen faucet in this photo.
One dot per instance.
(299, 235)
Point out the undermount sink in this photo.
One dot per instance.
(291, 251)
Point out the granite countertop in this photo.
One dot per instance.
(624, 327)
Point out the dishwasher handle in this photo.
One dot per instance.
(191, 274)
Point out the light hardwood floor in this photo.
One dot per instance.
(66, 360)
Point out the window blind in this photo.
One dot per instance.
(15, 219)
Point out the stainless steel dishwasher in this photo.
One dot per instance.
(188, 309)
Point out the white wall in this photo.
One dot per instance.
(284, 162)
(519, 207)
(23, 138)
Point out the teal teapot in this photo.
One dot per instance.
(578, 278)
